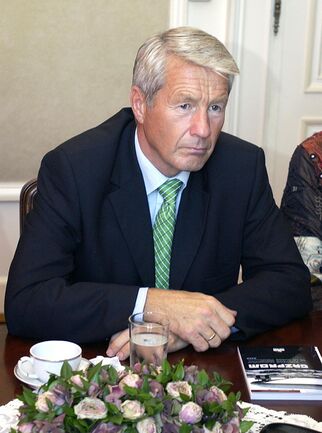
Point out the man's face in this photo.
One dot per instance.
(179, 130)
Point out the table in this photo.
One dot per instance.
(306, 331)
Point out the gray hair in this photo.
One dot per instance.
(190, 44)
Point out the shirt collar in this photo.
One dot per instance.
(152, 177)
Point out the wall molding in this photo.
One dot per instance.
(10, 191)
(178, 15)
(313, 73)
(310, 125)
(234, 36)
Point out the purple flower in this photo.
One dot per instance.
(54, 426)
(115, 395)
(177, 388)
(219, 394)
(170, 427)
(191, 373)
(26, 427)
(156, 389)
(190, 413)
(146, 425)
(107, 428)
(90, 408)
(47, 427)
(215, 394)
(94, 390)
(232, 426)
(132, 409)
(42, 401)
(137, 368)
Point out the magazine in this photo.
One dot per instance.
(282, 372)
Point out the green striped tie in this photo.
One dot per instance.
(163, 231)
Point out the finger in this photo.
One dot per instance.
(225, 314)
(176, 343)
(124, 352)
(218, 326)
(117, 342)
(214, 340)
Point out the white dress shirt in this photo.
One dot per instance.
(153, 179)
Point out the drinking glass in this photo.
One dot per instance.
(149, 334)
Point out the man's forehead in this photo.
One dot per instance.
(178, 69)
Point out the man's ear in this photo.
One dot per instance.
(138, 103)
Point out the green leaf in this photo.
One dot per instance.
(185, 428)
(211, 408)
(178, 372)
(133, 392)
(221, 382)
(145, 385)
(202, 378)
(130, 429)
(210, 423)
(153, 406)
(245, 425)
(112, 408)
(113, 375)
(116, 419)
(68, 410)
(28, 397)
(184, 397)
(66, 371)
(175, 408)
(166, 373)
(166, 367)
(93, 372)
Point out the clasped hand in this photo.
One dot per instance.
(195, 318)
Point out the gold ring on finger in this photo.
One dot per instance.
(213, 336)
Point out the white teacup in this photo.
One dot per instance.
(48, 357)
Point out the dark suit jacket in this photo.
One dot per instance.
(87, 246)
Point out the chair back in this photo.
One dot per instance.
(27, 195)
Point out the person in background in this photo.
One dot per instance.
(302, 202)
(158, 209)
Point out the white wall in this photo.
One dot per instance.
(9, 230)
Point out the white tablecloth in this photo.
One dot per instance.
(258, 414)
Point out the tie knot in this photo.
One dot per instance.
(169, 189)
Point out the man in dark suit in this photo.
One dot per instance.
(86, 260)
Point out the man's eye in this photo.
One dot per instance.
(185, 106)
(215, 107)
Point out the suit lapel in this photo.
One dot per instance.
(130, 205)
(128, 198)
(190, 226)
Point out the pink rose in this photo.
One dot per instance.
(133, 380)
(41, 403)
(177, 388)
(219, 394)
(132, 409)
(26, 427)
(190, 413)
(90, 408)
(77, 380)
(146, 425)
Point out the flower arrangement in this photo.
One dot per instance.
(146, 399)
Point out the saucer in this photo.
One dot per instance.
(37, 383)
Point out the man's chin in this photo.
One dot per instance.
(194, 164)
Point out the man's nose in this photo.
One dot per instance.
(200, 125)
